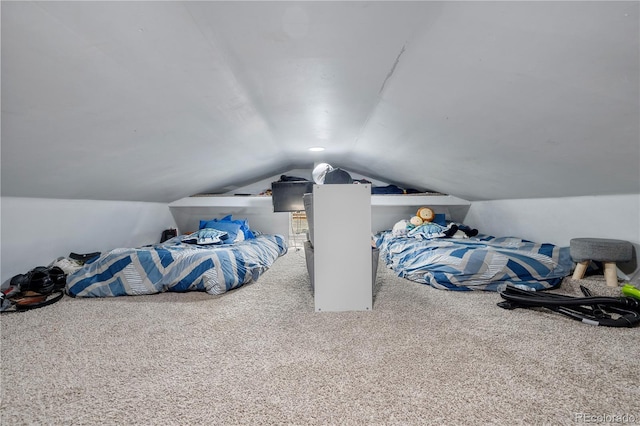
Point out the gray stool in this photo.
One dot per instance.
(584, 250)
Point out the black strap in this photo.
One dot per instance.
(57, 295)
(605, 311)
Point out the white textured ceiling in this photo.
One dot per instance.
(154, 101)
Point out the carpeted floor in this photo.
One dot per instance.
(261, 355)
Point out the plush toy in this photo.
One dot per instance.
(401, 228)
(416, 221)
(426, 214)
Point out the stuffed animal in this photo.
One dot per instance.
(416, 221)
(426, 214)
(401, 228)
(458, 230)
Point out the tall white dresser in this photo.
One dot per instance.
(342, 246)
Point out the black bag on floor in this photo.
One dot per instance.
(167, 234)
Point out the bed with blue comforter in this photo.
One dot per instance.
(476, 263)
(176, 265)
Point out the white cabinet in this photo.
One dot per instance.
(342, 247)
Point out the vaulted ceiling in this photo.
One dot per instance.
(154, 101)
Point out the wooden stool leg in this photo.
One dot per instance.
(610, 274)
(581, 268)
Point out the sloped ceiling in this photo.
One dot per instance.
(154, 101)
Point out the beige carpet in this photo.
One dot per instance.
(261, 355)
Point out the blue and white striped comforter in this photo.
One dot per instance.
(176, 266)
(479, 263)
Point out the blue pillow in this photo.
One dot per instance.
(244, 225)
(248, 234)
(440, 219)
(232, 230)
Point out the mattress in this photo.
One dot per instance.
(477, 263)
(176, 266)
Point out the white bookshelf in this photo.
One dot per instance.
(417, 200)
(385, 210)
(391, 200)
(257, 201)
(258, 209)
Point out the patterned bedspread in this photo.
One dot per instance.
(176, 266)
(479, 263)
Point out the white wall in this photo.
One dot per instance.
(558, 220)
(36, 231)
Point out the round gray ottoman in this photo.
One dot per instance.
(584, 250)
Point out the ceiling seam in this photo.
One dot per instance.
(239, 83)
(379, 96)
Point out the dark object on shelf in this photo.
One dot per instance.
(384, 190)
(287, 196)
(285, 178)
(337, 176)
